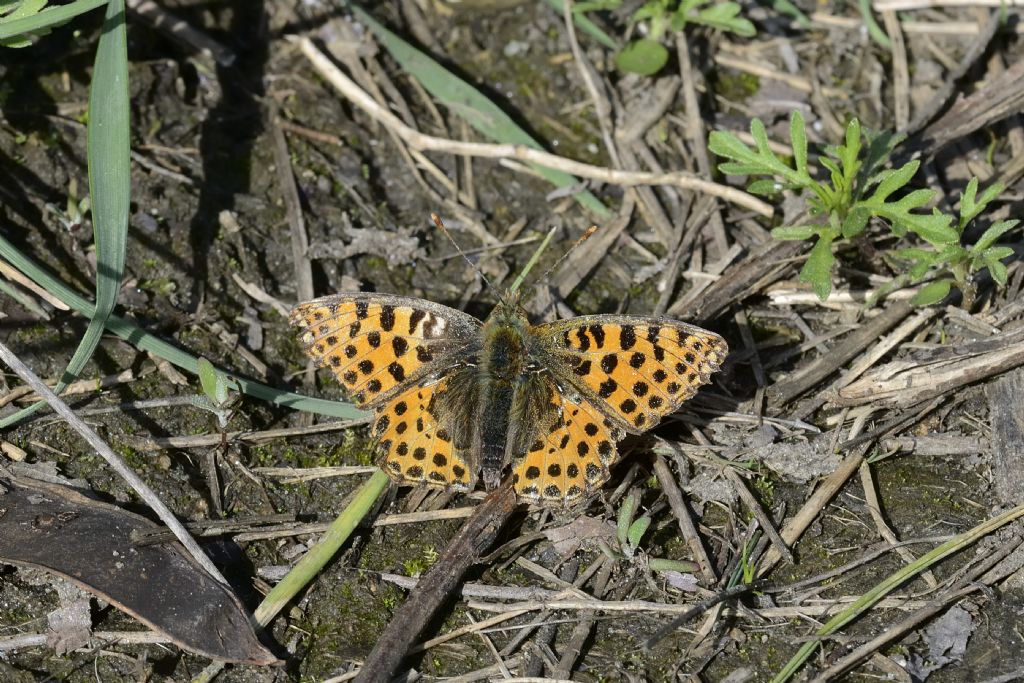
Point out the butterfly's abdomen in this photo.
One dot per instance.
(501, 367)
(492, 430)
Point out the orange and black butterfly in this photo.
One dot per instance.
(457, 399)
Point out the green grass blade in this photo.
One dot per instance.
(146, 341)
(52, 16)
(320, 554)
(874, 30)
(585, 25)
(109, 157)
(471, 104)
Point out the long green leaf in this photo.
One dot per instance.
(109, 157)
(866, 601)
(470, 104)
(326, 548)
(146, 341)
(52, 16)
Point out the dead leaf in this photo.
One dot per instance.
(55, 528)
(70, 625)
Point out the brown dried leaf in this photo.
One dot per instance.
(54, 528)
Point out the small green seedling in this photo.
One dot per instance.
(630, 531)
(219, 392)
(76, 209)
(646, 56)
(955, 264)
(858, 191)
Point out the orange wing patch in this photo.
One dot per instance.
(641, 369)
(371, 346)
(416, 448)
(570, 457)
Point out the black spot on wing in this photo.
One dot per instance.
(627, 337)
(609, 362)
(414, 319)
(582, 369)
(387, 318)
(399, 345)
(397, 371)
(584, 340)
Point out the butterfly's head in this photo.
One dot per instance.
(509, 310)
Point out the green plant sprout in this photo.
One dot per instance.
(646, 56)
(219, 393)
(956, 264)
(859, 190)
(630, 530)
(76, 209)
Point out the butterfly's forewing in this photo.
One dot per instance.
(635, 369)
(375, 343)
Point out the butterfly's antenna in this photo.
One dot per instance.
(440, 224)
(583, 238)
(532, 262)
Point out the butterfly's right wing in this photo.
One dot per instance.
(635, 369)
(375, 343)
(563, 444)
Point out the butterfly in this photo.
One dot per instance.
(457, 399)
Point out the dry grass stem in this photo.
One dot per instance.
(414, 138)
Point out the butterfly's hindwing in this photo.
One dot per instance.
(635, 369)
(418, 442)
(376, 343)
(569, 451)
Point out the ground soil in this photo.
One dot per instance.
(220, 219)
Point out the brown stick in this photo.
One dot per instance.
(808, 377)
(434, 588)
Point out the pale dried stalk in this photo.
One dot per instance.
(418, 140)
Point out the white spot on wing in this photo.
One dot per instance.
(433, 326)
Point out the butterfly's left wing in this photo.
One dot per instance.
(635, 369)
(375, 343)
